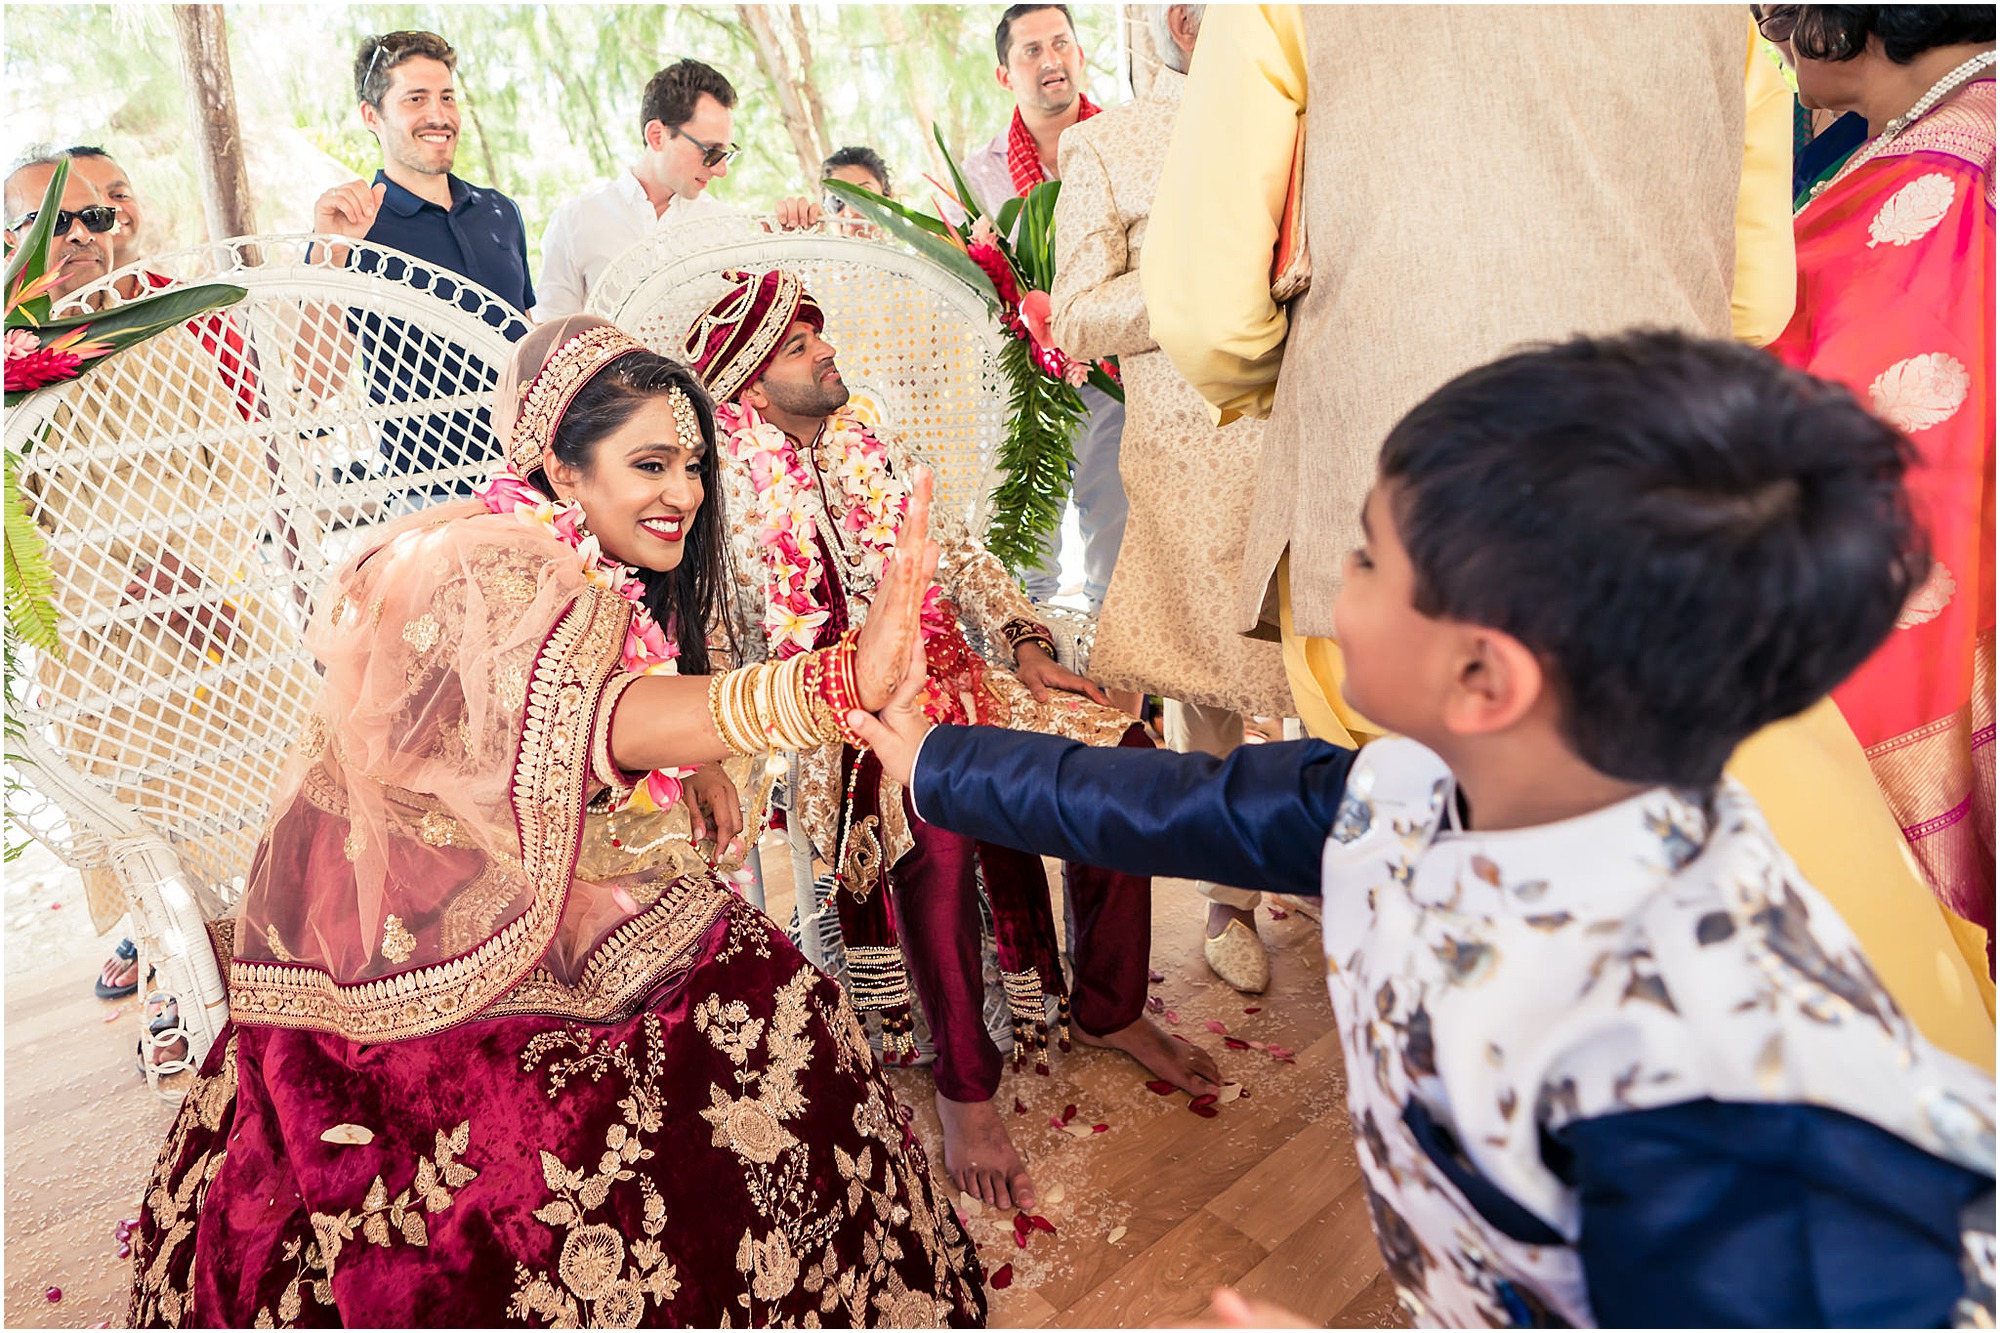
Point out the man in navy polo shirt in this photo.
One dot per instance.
(404, 84)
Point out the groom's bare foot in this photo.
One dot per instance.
(1183, 1064)
(980, 1158)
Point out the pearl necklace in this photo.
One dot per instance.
(1938, 91)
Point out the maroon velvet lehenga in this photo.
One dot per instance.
(464, 1084)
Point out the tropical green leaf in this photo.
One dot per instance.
(966, 197)
(136, 321)
(31, 583)
(923, 241)
(858, 194)
(31, 256)
(1105, 385)
(1008, 212)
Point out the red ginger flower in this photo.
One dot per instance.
(44, 365)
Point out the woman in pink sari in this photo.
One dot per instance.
(1895, 299)
(503, 1047)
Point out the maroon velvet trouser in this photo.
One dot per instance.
(1110, 918)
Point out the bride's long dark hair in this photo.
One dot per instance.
(684, 598)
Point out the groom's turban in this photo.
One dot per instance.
(734, 340)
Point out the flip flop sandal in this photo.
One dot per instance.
(128, 954)
(168, 1017)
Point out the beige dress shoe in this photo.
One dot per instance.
(1237, 956)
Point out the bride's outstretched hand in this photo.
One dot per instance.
(882, 651)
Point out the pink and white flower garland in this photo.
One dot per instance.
(872, 500)
(647, 650)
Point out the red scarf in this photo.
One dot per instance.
(1024, 160)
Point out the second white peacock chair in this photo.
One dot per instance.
(195, 493)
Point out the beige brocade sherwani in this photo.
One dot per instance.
(1167, 625)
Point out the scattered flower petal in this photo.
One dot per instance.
(1279, 914)
(1041, 1223)
(1055, 1194)
(970, 1205)
(1117, 1234)
(1257, 1045)
(53, 1295)
(1021, 1223)
(1069, 1113)
(115, 1014)
(1201, 1100)
(1020, 1107)
(1078, 1131)
(1217, 1028)
(1099, 1128)
(1155, 977)
(1206, 1112)
(1160, 1087)
(1055, 1122)
(1236, 1043)
(1020, 1240)
(1155, 1005)
(1001, 1278)
(359, 1136)
(1254, 1009)
(1171, 1016)
(1230, 1092)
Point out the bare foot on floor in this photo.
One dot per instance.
(980, 1158)
(1183, 1064)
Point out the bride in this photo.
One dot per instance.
(503, 1048)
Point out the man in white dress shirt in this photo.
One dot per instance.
(685, 120)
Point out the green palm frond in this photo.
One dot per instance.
(31, 584)
(1035, 458)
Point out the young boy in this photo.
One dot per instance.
(1609, 1059)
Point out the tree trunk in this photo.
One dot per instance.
(808, 83)
(918, 91)
(778, 68)
(211, 99)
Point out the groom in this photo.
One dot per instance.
(814, 499)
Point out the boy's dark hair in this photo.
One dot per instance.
(1695, 540)
(378, 56)
(89, 150)
(1003, 35)
(1841, 32)
(671, 94)
(866, 158)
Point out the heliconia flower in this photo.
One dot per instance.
(43, 366)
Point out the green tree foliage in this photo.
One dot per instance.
(551, 94)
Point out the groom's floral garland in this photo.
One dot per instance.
(647, 650)
(873, 502)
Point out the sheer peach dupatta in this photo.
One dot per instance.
(427, 859)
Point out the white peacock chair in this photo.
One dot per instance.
(248, 447)
(910, 335)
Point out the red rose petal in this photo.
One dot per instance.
(1155, 977)
(1055, 1122)
(1171, 1016)
(1042, 1223)
(1020, 1107)
(1002, 1277)
(1279, 914)
(1178, 1037)
(1256, 1045)
(1020, 1240)
(53, 1295)
(1069, 1113)
(1206, 1112)
(1160, 1086)
(1099, 1129)
(1254, 1009)
(1155, 1005)
(1202, 1099)
(1021, 1223)
(1216, 1028)
(1236, 1043)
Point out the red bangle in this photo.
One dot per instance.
(830, 677)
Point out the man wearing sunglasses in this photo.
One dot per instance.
(685, 127)
(84, 227)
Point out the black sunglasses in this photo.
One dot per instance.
(712, 155)
(97, 218)
(1776, 23)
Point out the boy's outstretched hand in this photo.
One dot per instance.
(899, 729)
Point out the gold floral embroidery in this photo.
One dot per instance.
(422, 633)
(175, 1204)
(863, 865)
(592, 1264)
(276, 945)
(397, 941)
(353, 844)
(441, 830)
(510, 686)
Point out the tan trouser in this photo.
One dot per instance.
(1217, 731)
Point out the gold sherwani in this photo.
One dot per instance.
(1168, 623)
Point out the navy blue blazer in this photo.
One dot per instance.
(1701, 1214)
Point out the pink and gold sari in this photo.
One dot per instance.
(1896, 294)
